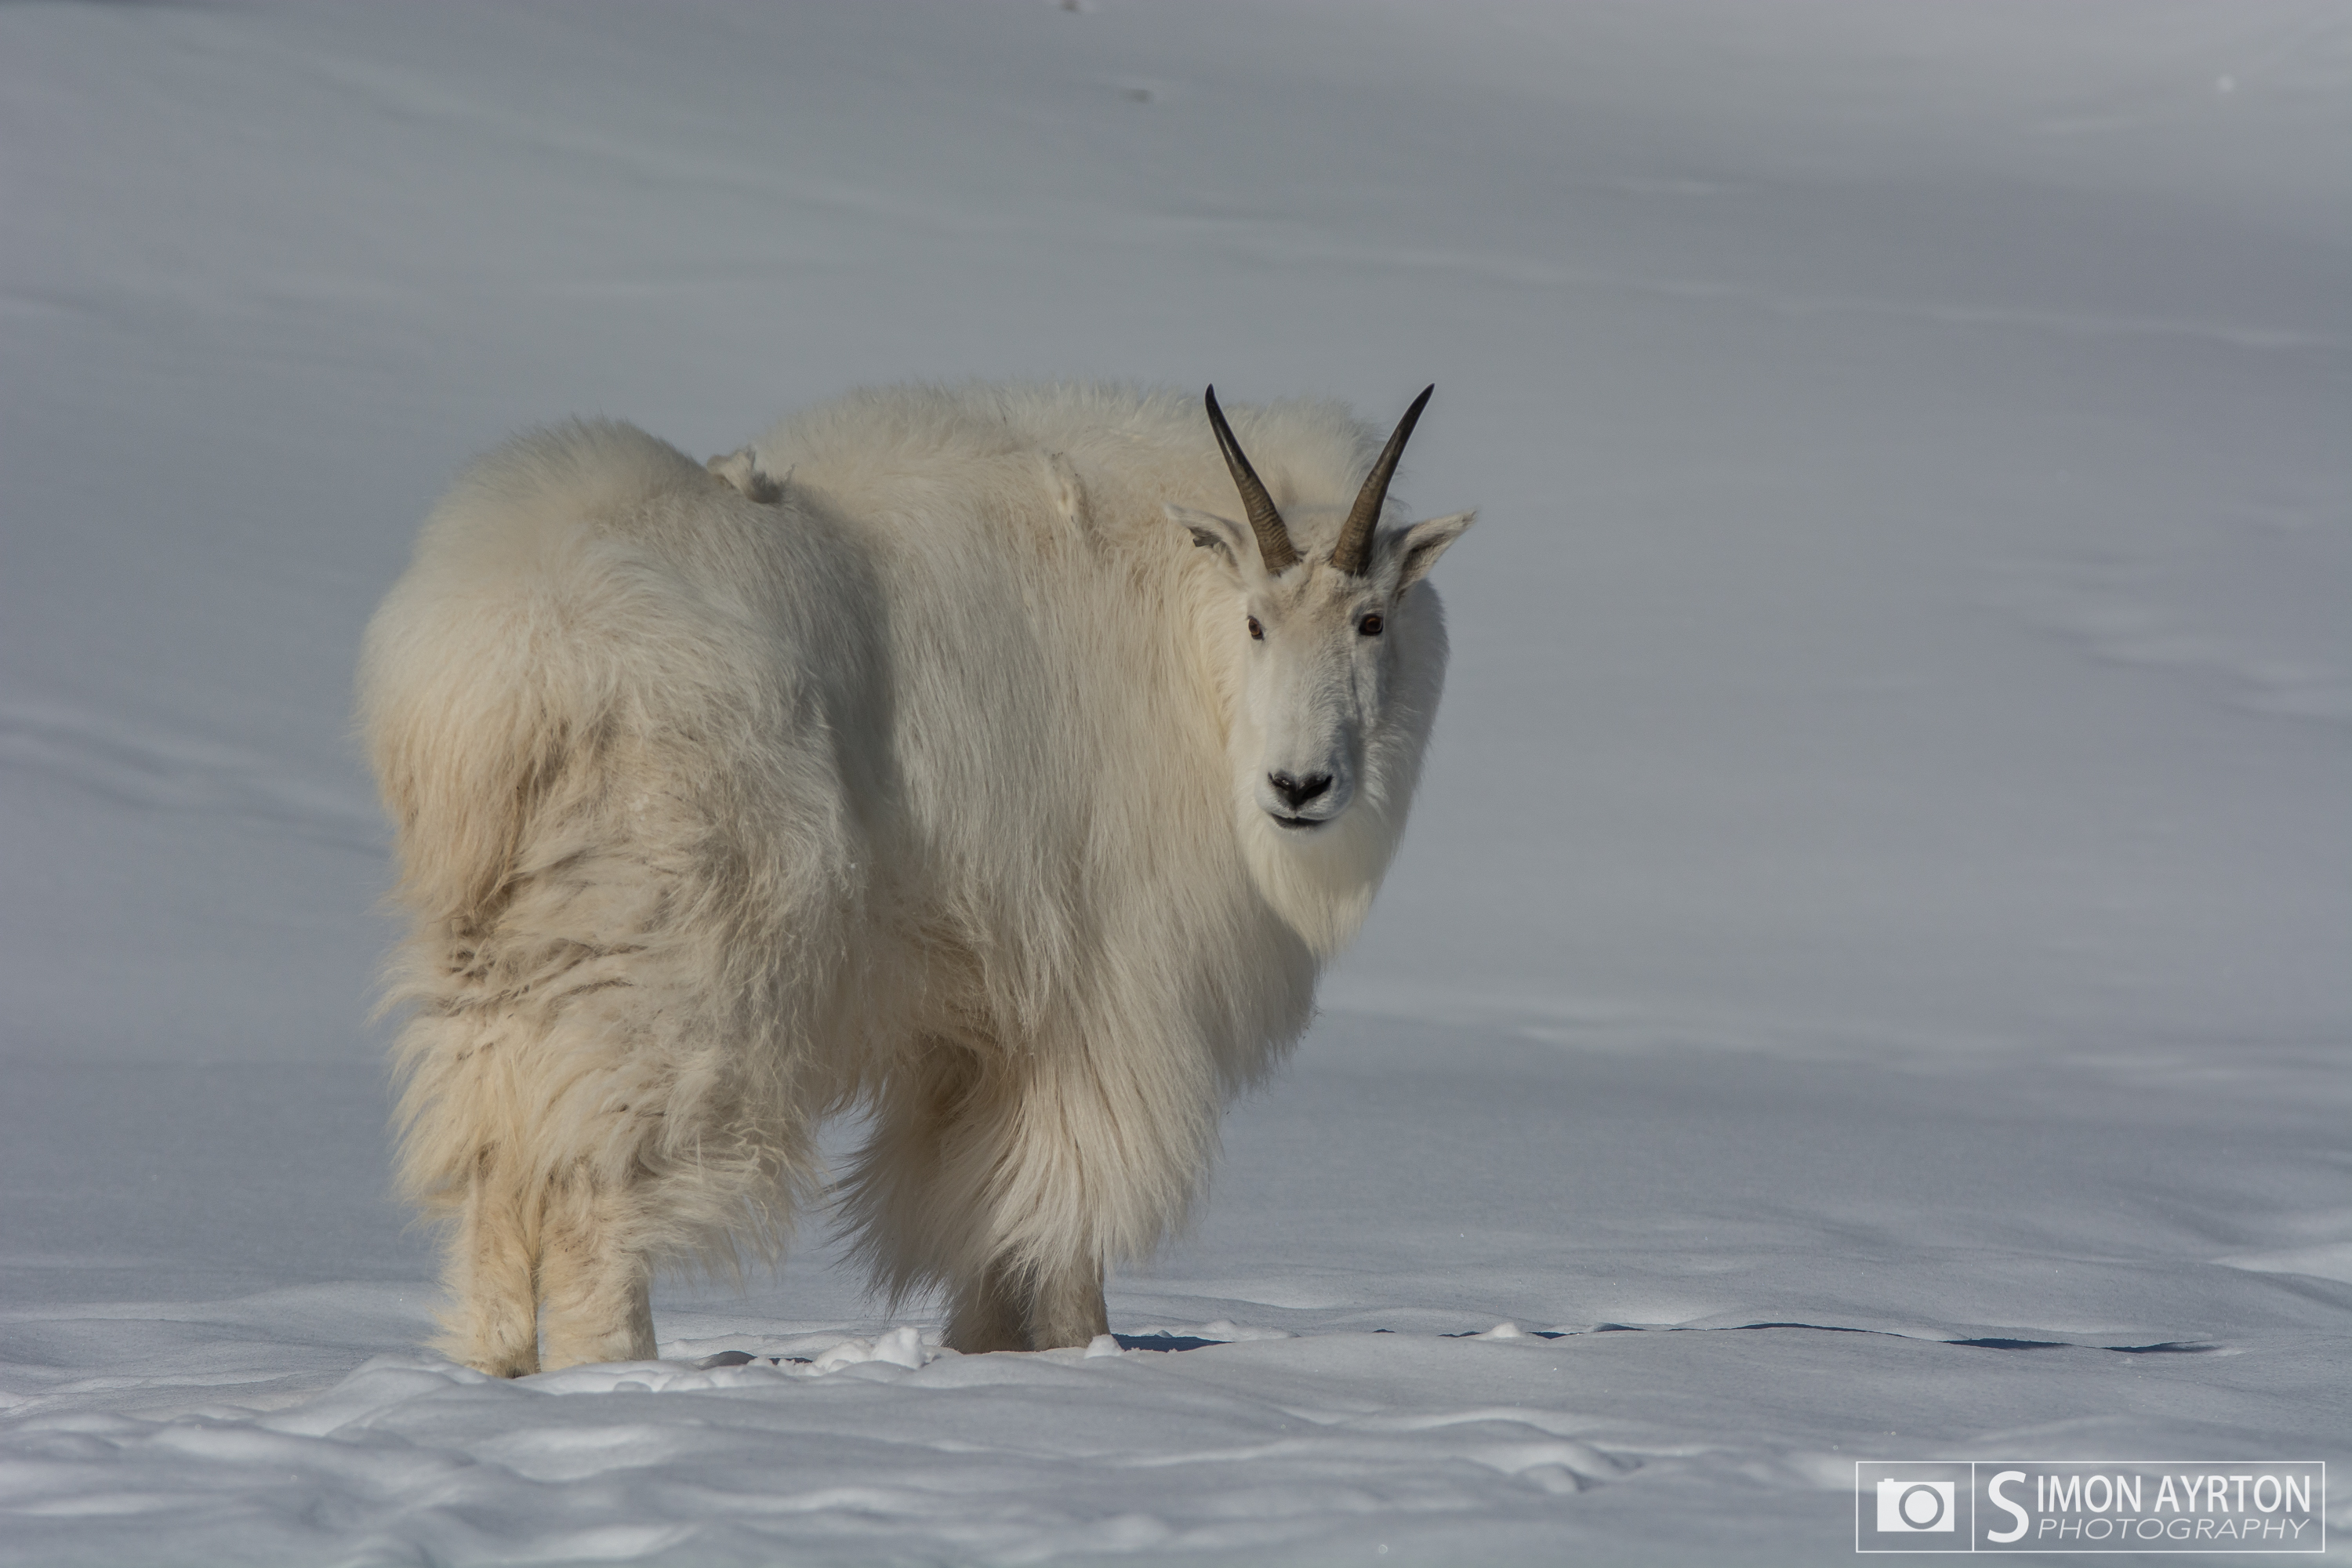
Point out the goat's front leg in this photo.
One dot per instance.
(987, 1314)
(1066, 1308)
(1011, 1309)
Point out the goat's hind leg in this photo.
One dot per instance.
(560, 1255)
(491, 1322)
(595, 1281)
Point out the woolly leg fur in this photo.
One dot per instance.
(585, 1098)
(558, 1253)
(493, 1278)
(1010, 1307)
(1012, 1177)
(596, 1283)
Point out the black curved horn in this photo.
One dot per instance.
(1354, 553)
(1274, 546)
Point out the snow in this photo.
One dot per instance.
(1866, 978)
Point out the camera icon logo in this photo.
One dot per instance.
(1905, 1505)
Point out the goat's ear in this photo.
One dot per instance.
(1228, 540)
(1417, 548)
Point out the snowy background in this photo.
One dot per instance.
(1883, 881)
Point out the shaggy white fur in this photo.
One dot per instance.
(913, 759)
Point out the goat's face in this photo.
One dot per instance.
(1321, 655)
(1318, 650)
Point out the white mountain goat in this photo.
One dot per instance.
(915, 760)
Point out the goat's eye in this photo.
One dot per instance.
(1257, 632)
(1371, 625)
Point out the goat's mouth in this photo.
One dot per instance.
(1298, 824)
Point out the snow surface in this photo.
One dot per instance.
(1883, 881)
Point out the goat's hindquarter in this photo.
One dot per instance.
(620, 1001)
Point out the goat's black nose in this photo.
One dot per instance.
(1298, 792)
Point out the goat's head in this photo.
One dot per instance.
(1319, 636)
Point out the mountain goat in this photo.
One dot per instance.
(948, 755)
